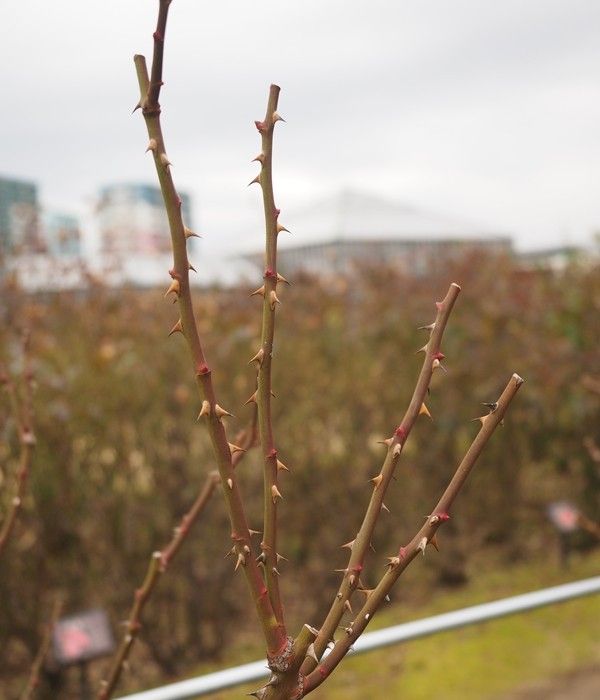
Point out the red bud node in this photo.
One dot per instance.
(400, 433)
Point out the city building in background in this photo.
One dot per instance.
(556, 258)
(126, 240)
(132, 220)
(62, 235)
(334, 235)
(19, 217)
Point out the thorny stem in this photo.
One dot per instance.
(34, 676)
(291, 677)
(214, 414)
(159, 562)
(156, 81)
(17, 501)
(272, 467)
(589, 525)
(362, 542)
(424, 536)
(288, 684)
(22, 412)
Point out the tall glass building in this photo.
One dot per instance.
(19, 217)
(132, 220)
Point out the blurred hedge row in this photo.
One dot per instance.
(120, 456)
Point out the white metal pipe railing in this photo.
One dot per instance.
(257, 670)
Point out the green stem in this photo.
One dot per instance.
(180, 287)
(263, 396)
(418, 543)
(362, 542)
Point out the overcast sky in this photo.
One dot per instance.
(485, 110)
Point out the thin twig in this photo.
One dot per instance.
(22, 409)
(272, 465)
(589, 525)
(425, 535)
(361, 543)
(180, 288)
(159, 562)
(34, 675)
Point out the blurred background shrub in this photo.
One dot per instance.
(120, 457)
